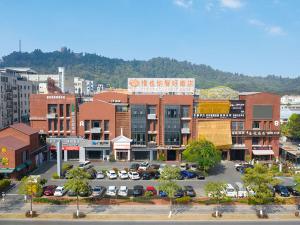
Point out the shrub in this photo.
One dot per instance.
(148, 194)
(161, 157)
(4, 184)
(81, 215)
(52, 201)
(43, 181)
(112, 158)
(55, 176)
(115, 169)
(66, 166)
(183, 200)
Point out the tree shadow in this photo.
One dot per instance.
(218, 169)
(44, 168)
(228, 208)
(270, 209)
(181, 208)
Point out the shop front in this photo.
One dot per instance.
(122, 148)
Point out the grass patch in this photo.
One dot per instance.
(53, 201)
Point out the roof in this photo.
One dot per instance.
(11, 142)
(21, 69)
(249, 93)
(121, 139)
(22, 127)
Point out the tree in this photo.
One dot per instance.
(293, 126)
(167, 183)
(30, 186)
(260, 180)
(77, 183)
(204, 153)
(216, 191)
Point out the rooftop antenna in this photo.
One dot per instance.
(20, 46)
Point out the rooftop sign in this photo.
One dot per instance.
(161, 85)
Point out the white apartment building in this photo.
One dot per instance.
(14, 98)
(89, 87)
(289, 105)
(80, 87)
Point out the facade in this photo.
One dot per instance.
(14, 99)
(21, 150)
(290, 104)
(147, 126)
(83, 87)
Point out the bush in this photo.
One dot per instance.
(148, 194)
(4, 184)
(43, 181)
(81, 215)
(66, 166)
(39, 192)
(183, 200)
(52, 201)
(115, 169)
(55, 176)
(161, 157)
(112, 158)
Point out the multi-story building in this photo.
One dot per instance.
(79, 86)
(158, 122)
(14, 99)
(290, 104)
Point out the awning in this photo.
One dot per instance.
(262, 152)
(6, 170)
(28, 162)
(21, 167)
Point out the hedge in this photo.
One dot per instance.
(4, 184)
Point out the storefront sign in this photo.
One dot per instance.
(161, 85)
(121, 145)
(255, 133)
(66, 148)
(237, 111)
(73, 120)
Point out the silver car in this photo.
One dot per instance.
(100, 175)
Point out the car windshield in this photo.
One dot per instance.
(111, 188)
(97, 189)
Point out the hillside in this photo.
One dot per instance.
(116, 71)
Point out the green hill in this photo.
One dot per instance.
(116, 71)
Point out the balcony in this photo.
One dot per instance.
(96, 130)
(262, 147)
(51, 115)
(151, 116)
(185, 130)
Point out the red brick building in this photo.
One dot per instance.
(159, 125)
(21, 150)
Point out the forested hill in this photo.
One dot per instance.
(116, 71)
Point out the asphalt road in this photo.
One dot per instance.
(32, 222)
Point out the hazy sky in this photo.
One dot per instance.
(255, 37)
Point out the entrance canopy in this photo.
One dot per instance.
(262, 152)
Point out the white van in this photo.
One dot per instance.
(85, 165)
(241, 190)
(230, 191)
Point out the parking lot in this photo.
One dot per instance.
(223, 172)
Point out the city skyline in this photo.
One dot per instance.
(231, 35)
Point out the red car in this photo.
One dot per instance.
(49, 190)
(152, 189)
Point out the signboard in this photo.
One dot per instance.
(121, 146)
(66, 148)
(56, 97)
(236, 111)
(162, 85)
(255, 133)
(73, 115)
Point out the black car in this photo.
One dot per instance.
(156, 175)
(189, 191)
(293, 191)
(179, 193)
(138, 190)
(281, 190)
(146, 176)
(200, 176)
(71, 193)
(134, 166)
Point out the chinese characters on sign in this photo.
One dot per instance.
(162, 85)
(255, 133)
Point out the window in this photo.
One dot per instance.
(106, 137)
(49, 124)
(52, 108)
(185, 111)
(61, 110)
(171, 113)
(172, 138)
(237, 125)
(25, 156)
(255, 140)
(185, 125)
(55, 124)
(68, 110)
(139, 138)
(68, 124)
(61, 125)
(151, 137)
(122, 108)
(151, 109)
(106, 125)
(86, 125)
(255, 125)
(96, 123)
(238, 140)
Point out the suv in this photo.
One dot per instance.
(138, 190)
(144, 166)
(85, 165)
(98, 191)
(111, 174)
(134, 175)
(282, 190)
(189, 191)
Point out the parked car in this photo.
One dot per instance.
(230, 191)
(100, 175)
(49, 190)
(152, 189)
(60, 191)
(71, 193)
(146, 176)
(293, 191)
(123, 174)
(179, 193)
(242, 168)
(85, 165)
(123, 191)
(189, 191)
(155, 166)
(282, 190)
(200, 176)
(156, 175)
(144, 166)
(133, 175)
(111, 191)
(134, 166)
(241, 190)
(250, 192)
(188, 174)
(86, 193)
(98, 191)
(162, 194)
(138, 190)
(111, 174)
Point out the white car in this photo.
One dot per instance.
(123, 174)
(111, 191)
(230, 191)
(161, 167)
(144, 166)
(85, 165)
(133, 175)
(123, 191)
(100, 175)
(60, 191)
(111, 174)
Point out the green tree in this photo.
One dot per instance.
(77, 183)
(216, 191)
(30, 186)
(204, 153)
(260, 179)
(167, 183)
(293, 126)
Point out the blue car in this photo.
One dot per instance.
(162, 194)
(188, 174)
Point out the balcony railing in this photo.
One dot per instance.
(185, 130)
(96, 130)
(151, 116)
(51, 115)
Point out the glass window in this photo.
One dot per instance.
(106, 125)
(55, 124)
(121, 108)
(86, 125)
(68, 124)
(52, 108)
(96, 123)
(185, 111)
(106, 136)
(61, 110)
(68, 110)
(255, 125)
(49, 124)
(151, 109)
(255, 140)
